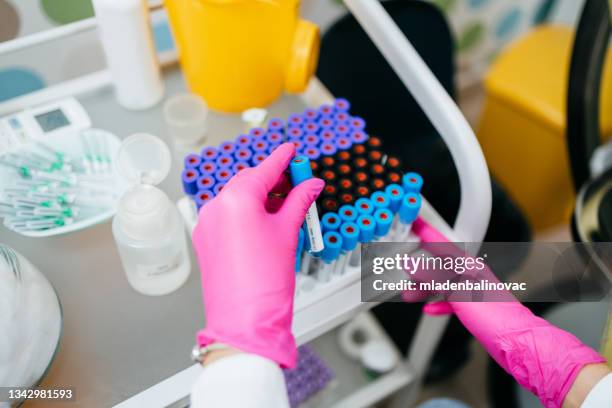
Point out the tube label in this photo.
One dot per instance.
(313, 227)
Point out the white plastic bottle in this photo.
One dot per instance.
(147, 227)
(125, 32)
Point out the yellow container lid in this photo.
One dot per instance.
(531, 76)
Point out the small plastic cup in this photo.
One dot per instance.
(185, 116)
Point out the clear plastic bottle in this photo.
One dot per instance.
(147, 227)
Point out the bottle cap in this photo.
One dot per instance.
(143, 159)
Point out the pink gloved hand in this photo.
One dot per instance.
(246, 249)
(541, 357)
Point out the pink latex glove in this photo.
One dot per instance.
(246, 250)
(541, 357)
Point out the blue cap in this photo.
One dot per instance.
(312, 152)
(347, 213)
(380, 200)
(342, 105)
(343, 143)
(395, 193)
(359, 136)
(243, 154)
(326, 110)
(227, 147)
(209, 153)
(300, 248)
(327, 136)
(223, 175)
(367, 227)
(241, 165)
(244, 140)
(208, 167)
(364, 206)
(333, 245)
(206, 182)
(294, 133)
(190, 181)
(224, 160)
(295, 119)
(311, 114)
(328, 149)
(300, 169)
(343, 129)
(350, 235)
(260, 146)
(412, 182)
(257, 133)
(193, 161)
(384, 219)
(411, 204)
(342, 117)
(202, 197)
(357, 123)
(310, 127)
(311, 139)
(330, 222)
(276, 125)
(274, 137)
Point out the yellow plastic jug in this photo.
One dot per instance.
(240, 54)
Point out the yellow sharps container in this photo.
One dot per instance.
(240, 54)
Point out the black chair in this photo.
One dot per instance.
(350, 66)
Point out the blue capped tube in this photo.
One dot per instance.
(350, 238)
(202, 197)
(358, 136)
(192, 161)
(412, 182)
(311, 127)
(208, 167)
(274, 138)
(409, 209)
(342, 105)
(380, 200)
(311, 139)
(276, 125)
(244, 141)
(342, 117)
(327, 136)
(300, 249)
(209, 153)
(333, 246)
(326, 123)
(330, 222)
(243, 154)
(357, 123)
(295, 120)
(206, 182)
(294, 133)
(257, 133)
(300, 170)
(348, 213)
(189, 177)
(343, 143)
(224, 161)
(311, 115)
(343, 129)
(312, 152)
(260, 146)
(227, 148)
(328, 149)
(223, 175)
(384, 220)
(326, 110)
(395, 192)
(364, 206)
(367, 228)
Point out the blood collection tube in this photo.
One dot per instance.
(347, 213)
(310, 115)
(206, 183)
(346, 198)
(294, 133)
(362, 192)
(239, 166)
(300, 171)
(295, 120)
(243, 154)
(329, 176)
(311, 139)
(218, 188)
(373, 143)
(361, 178)
(350, 237)
(224, 161)
(344, 170)
(380, 199)
(329, 191)
(209, 153)
(364, 206)
(345, 185)
(314, 166)
(312, 153)
(328, 148)
(342, 117)
(360, 164)
(395, 193)
(344, 143)
(244, 141)
(329, 204)
(276, 125)
(306, 256)
(328, 162)
(258, 158)
(375, 156)
(377, 170)
(298, 252)
(341, 105)
(367, 226)
(274, 138)
(257, 133)
(343, 156)
(384, 220)
(326, 110)
(260, 146)
(327, 135)
(342, 129)
(333, 245)
(326, 123)
(358, 150)
(227, 148)
(377, 184)
(394, 177)
(223, 175)
(299, 145)
(192, 161)
(208, 167)
(409, 209)
(358, 136)
(412, 182)
(311, 127)
(202, 197)
(189, 178)
(357, 123)
(393, 164)
(330, 222)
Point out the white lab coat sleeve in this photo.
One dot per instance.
(240, 381)
(601, 395)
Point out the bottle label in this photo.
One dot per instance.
(157, 269)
